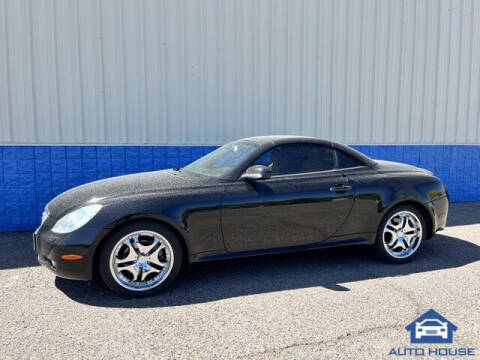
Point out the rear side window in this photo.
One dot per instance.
(346, 161)
(297, 159)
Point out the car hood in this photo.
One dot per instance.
(127, 185)
(395, 167)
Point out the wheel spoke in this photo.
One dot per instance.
(155, 247)
(407, 227)
(391, 226)
(131, 256)
(154, 256)
(390, 231)
(409, 239)
(122, 263)
(401, 243)
(132, 269)
(158, 262)
(145, 273)
(393, 243)
(143, 249)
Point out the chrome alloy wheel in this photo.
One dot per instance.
(141, 260)
(402, 234)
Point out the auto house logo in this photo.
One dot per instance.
(438, 332)
(431, 328)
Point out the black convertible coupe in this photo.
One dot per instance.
(253, 196)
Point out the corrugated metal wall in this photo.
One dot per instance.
(203, 72)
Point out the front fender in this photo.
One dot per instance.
(195, 217)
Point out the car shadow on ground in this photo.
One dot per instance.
(467, 213)
(330, 268)
(16, 250)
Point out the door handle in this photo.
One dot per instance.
(340, 188)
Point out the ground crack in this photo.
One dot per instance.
(323, 342)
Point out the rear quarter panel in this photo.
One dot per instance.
(430, 191)
(421, 186)
(376, 193)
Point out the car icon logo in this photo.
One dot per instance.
(431, 328)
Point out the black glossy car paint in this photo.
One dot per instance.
(231, 217)
(284, 211)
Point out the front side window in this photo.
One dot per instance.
(298, 158)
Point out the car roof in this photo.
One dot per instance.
(284, 139)
(273, 140)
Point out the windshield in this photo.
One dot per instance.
(221, 162)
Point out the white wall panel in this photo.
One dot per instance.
(204, 72)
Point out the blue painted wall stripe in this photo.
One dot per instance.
(32, 175)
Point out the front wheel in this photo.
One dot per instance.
(140, 258)
(401, 234)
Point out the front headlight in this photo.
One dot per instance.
(76, 219)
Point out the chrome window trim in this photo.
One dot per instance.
(317, 172)
(322, 172)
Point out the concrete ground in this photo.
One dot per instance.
(328, 304)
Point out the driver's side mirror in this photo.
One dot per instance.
(257, 172)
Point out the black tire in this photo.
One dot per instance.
(141, 225)
(379, 247)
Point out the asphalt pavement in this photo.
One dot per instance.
(328, 304)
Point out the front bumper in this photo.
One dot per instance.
(51, 246)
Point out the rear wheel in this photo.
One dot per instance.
(401, 234)
(140, 259)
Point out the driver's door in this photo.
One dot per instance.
(305, 201)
